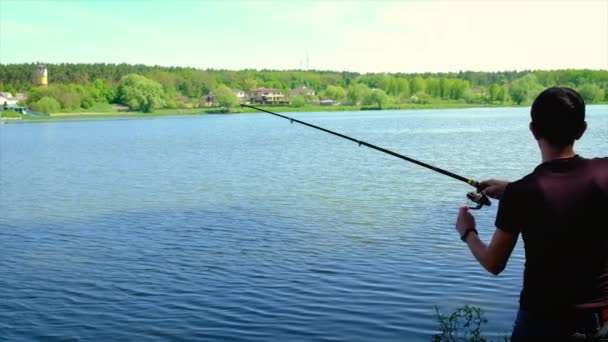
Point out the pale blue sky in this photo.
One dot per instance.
(363, 36)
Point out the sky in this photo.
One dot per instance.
(341, 35)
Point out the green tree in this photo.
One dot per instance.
(140, 93)
(433, 87)
(377, 97)
(591, 93)
(357, 93)
(501, 96)
(494, 91)
(249, 84)
(46, 105)
(335, 93)
(519, 93)
(402, 87)
(72, 83)
(446, 85)
(103, 92)
(397, 86)
(10, 89)
(421, 98)
(69, 100)
(225, 97)
(418, 84)
(460, 89)
(525, 88)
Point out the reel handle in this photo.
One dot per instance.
(478, 198)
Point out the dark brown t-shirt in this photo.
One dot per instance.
(561, 210)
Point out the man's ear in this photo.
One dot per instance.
(534, 131)
(581, 130)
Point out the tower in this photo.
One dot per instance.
(42, 76)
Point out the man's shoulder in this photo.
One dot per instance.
(598, 168)
(519, 189)
(522, 183)
(598, 162)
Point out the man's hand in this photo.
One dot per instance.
(493, 188)
(464, 220)
(492, 257)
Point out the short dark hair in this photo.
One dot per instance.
(558, 115)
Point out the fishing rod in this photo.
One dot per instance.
(476, 197)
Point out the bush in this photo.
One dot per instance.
(298, 101)
(422, 98)
(87, 102)
(69, 100)
(464, 324)
(46, 105)
(171, 104)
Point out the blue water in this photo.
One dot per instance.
(247, 228)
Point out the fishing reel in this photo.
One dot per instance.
(479, 198)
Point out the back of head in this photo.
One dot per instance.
(558, 115)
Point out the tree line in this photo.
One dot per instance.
(145, 88)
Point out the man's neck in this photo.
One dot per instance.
(549, 152)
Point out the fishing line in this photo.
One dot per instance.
(476, 197)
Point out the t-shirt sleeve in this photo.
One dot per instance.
(600, 169)
(509, 212)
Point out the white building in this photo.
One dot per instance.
(8, 99)
(267, 95)
(241, 95)
(303, 91)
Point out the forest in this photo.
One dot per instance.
(74, 87)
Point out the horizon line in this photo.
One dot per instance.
(303, 70)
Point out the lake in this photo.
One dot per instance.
(248, 228)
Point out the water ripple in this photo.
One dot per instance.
(241, 228)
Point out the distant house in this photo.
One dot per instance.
(10, 100)
(302, 91)
(208, 100)
(267, 95)
(242, 95)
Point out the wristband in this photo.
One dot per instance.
(464, 236)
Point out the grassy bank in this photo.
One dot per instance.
(110, 111)
(317, 108)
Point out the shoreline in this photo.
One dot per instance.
(236, 110)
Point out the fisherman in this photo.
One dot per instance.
(561, 211)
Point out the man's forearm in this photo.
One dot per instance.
(480, 251)
(493, 257)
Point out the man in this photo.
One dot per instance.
(561, 210)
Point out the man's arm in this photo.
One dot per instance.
(493, 188)
(492, 257)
